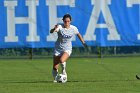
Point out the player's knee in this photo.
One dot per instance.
(55, 67)
(61, 60)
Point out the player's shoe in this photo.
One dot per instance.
(54, 81)
(55, 74)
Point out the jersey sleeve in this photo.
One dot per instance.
(76, 30)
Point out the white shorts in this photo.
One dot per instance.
(59, 53)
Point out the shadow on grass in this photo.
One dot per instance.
(12, 81)
(104, 81)
(73, 81)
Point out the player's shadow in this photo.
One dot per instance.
(72, 81)
(101, 81)
(12, 81)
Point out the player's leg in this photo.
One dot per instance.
(56, 60)
(63, 60)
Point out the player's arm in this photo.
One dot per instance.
(55, 29)
(82, 40)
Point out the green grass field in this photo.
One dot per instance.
(85, 75)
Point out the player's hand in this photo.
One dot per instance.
(85, 45)
(56, 26)
(54, 29)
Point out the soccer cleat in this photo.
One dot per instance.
(54, 81)
(55, 74)
(137, 77)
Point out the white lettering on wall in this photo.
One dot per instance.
(101, 6)
(53, 19)
(12, 21)
(130, 3)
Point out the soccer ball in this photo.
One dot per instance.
(62, 78)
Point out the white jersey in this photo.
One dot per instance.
(65, 37)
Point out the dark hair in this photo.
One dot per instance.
(67, 16)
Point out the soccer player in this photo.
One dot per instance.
(63, 45)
